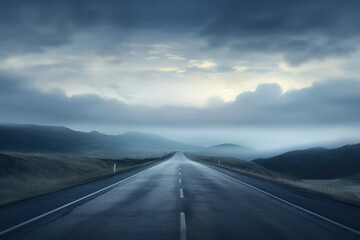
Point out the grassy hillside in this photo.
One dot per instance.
(24, 175)
(246, 167)
(316, 163)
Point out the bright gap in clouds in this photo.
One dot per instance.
(184, 72)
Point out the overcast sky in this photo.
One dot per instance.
(255, 67)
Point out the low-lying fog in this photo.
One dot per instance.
(258, 142)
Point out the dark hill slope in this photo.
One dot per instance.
(61, 140)
(316, 163)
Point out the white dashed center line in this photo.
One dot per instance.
(182, 226)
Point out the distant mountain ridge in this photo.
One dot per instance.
(228, 150)
(316, 163)
(28, 138)
(228, 145)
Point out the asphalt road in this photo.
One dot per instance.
(180, 199)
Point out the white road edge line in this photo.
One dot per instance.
(182, 226)
(179, 173)
(73, 202)
(291, 204)
(181, 193)
(179, 180)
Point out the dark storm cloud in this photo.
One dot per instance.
(28, 26)
(334, 102)
(300, 30)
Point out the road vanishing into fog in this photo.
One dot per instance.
(179, 199)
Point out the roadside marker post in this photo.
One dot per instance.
(114, 167)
